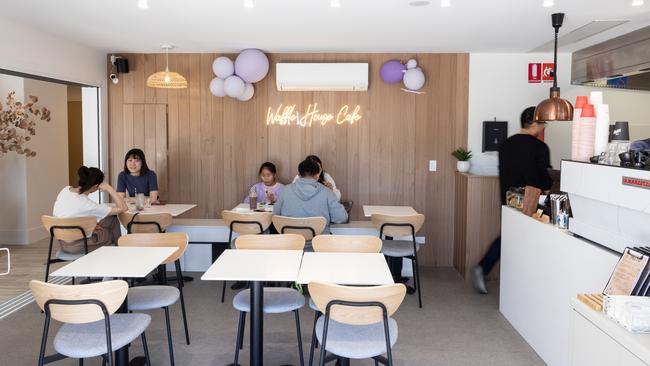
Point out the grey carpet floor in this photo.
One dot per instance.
(456, 326)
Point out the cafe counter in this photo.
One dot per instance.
(542, 270)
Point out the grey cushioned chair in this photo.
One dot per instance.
(67, 229)
(276, 299)
(143, 298)
(391, 227)
(91, 328)
(339, 244)
(357, 321)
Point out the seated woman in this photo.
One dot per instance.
(137, 177)
(74, 202)
(324, 178)
(269, 189)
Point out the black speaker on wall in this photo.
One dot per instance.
(122, 65)
(494, 133)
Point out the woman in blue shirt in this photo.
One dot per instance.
(137, 177)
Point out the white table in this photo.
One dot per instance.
(117, 262)
(369, 210)
(175, 209)
(246, 208)
(256, 266)
(345, 268)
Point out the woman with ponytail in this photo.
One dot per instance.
(74, 202)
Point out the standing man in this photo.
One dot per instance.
(524, 160)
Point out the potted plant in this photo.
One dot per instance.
(463, 157)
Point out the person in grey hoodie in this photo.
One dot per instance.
(306, 197)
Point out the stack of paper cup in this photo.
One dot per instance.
(596, 98)
(581, 100)
(587, 135)
(602, 129)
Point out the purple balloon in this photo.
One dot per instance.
(392, 71)
(251, 65)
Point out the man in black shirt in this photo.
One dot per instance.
(524, 160)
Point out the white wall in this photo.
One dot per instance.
(13, 218)
(32, 51)
(47, 172)
(498, 87)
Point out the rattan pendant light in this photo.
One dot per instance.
(167, 79)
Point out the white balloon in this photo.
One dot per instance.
(217, 87)
(411, 64)
(414, 79)
(234, 86)
(248, 93)
(223, 67)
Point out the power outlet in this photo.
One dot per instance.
(433, 165)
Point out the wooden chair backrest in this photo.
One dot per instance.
(316, 223)
(346, 243)
(416, 220)
(271, 242)
(88, 223)
(179, 240)
(110, 293)
(163, 219)
(264, 218)
(389, 295)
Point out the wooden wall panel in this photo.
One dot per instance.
(215, 145)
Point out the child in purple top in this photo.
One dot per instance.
(269, 189)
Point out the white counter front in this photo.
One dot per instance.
(542, 270)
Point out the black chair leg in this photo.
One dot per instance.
(146, 349)
(418, 285)
(49, 260)
(240, 336)
(180, 288)
(302, 358)
(81, 362)
(169, 336)
(104, 360)
(314, 341)
(223, 291)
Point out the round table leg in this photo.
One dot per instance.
(257, 319)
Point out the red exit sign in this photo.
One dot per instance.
(539, 72)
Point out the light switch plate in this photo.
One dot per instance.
(433, 165)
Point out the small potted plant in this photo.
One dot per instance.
(463, 157)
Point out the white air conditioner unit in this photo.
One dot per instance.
(321, 76)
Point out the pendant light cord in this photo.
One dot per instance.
(167, 56)
(557, 29)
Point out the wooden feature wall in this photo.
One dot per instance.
(477, 222)
(215, 145)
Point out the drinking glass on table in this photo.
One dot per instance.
(139, 201)
(147, 202)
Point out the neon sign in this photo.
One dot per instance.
(285, 115)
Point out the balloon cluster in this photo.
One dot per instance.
(235, 79)
(411, 75)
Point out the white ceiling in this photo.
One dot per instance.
(313, 26)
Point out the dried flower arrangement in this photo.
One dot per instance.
(18, 124)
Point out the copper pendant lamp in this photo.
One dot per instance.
(167, 79)
(554, 108)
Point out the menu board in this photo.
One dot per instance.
(626, 273)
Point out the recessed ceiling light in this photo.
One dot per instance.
(143, 4)
(548, 3)
(419, 3)
(637, 2)
(248, 4)
(445, 3)
(335, 3)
